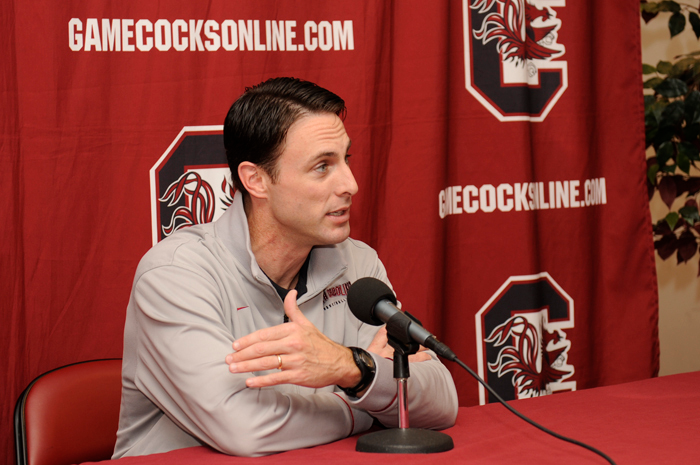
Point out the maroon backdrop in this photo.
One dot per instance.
(498, 145)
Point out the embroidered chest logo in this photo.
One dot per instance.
(335, 295)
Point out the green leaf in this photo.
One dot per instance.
(649, 100)
(691, 132)
(682, 66)
(664, 67)
(647, 69)
(672, 220)
(658, 108)
(653, 82)
(664, 153)
(688, 150)
(650, 136)
(682, 160)
(650, 121)
(651, 173)
(664, 134)
(669, 168)
(692, 106)
(650, 7)
(651, 129)
(652, 116)
(690, 214)
(693, 98)
(676, 23)
(669, 5)
(671, 87)
(695, 22)
(673, 114)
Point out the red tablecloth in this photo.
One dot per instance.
(655, 421)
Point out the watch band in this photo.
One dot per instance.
(365, 363)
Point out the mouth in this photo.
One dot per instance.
(339, 213)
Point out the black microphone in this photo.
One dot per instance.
(374, 303)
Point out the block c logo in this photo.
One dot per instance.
(510, 49)
(190, 182)
(522, 348)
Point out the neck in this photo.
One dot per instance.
(276, 255)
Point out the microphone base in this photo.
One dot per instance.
(405, 441)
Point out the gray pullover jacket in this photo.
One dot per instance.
(197, 291)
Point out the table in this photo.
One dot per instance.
(654, 421)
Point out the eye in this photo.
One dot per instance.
(321, 167)
(347, 159)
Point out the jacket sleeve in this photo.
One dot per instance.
(182, 341)
(432, 394)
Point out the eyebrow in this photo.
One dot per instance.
(328, 154)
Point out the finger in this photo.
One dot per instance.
(292, 309)
(273, 333)
(259, 350)
(270, 362)
(419, 357)
(381, 336)
(379, 342)
(273, 379)
(386, 352)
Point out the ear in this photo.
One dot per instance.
(254, 179)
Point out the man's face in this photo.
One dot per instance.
(310, 201)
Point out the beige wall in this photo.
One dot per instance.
(679, 285)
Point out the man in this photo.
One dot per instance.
(267, 279)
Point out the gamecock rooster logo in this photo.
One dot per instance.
(198, 198)
(535, 357)
(510, 52)
(517, 31)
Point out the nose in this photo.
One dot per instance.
(347, 184)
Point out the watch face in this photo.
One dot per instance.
(367, 360)
(365, 363)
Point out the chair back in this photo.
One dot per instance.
(69, 415)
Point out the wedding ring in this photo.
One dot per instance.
(279, 359)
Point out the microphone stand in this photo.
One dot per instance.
(403, 440)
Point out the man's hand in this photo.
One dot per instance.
(308, 357)
(380, 346)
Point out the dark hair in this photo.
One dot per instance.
(257, 123)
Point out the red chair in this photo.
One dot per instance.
(69, 415)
